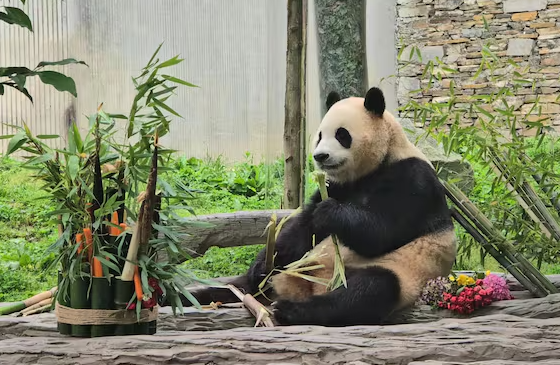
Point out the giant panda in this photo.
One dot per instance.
(388, 210)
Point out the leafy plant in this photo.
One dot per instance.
(108, 173)
(492, 122)
(16, 77)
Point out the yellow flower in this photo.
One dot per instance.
(462, 279)
(470, 281)
(487, 272)
(451, 278)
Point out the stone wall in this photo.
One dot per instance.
(527, 31)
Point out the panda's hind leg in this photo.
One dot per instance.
(371, 295)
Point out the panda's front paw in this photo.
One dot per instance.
(287, 312)
(326, 215)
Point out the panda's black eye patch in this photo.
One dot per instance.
(320, 137)
(343, 137)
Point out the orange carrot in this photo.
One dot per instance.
(138, 284)
(114, 231)
(97, 268)
(79, 239)
(123, 227)
(89, 243)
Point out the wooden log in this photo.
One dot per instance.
(244, 228)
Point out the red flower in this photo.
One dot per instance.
(149, 303)
(154, 284)
(131, 306)
(479, 282)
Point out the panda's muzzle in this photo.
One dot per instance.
(321, 157)
(325, 162)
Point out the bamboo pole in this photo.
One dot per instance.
(531, 201)
(143, 228)
(536, 290)
(487, 229)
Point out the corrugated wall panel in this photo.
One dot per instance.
(234, 50)
(20, 47)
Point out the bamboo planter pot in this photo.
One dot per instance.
(96, 307)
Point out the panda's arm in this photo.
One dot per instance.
(294, 240)
(406, 204)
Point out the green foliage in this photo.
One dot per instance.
(16, 77)
(218, 262)
(487, 124)
(25, 234)
(73, 178)
(243, 186)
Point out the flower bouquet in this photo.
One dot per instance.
(463, 293)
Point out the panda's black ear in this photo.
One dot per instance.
(375, 101)
(332, 98)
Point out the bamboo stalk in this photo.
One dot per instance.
(270, 244)
(36, 305)
(339, 274)
(531, 201)
(143, 228)
(498, 170)
(258, 310)
(502, 260)
(554, 198)
(44, 308)
(486, 227)
(540, 180)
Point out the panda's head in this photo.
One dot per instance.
(354, 136)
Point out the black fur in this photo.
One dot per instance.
(343, 137)
(375, 101)
(386, 209)
(370, 297)
(374, 215)
(332, 98)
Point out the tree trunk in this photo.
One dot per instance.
(293, 112)
(341, 36)
(303, 79)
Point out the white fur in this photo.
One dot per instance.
(373, 139)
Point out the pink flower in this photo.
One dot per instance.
(497, 287)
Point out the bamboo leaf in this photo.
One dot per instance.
(170, 62)
(16, 142)
(48, 136)
(66, 61)
(178, 81)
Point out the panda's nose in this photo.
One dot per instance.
(321, 157)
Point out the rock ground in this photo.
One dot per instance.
(521, 331)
